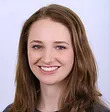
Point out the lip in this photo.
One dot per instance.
(48, 72)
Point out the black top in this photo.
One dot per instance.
(94, 108)
(7, 109)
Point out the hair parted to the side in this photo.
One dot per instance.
(80, 85)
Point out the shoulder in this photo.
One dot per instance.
(96, 107)
(7, 108)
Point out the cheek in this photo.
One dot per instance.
(68, 58)
(32, 57)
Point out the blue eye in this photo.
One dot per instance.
(60, 47)
(37, 46)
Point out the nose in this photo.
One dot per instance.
(47, 56)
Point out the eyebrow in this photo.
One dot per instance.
(61, 42)
(36, 41)
(56, 42)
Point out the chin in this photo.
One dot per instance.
(49, 82)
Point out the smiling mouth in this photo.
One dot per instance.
(49, 69)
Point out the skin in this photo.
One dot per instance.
(51, 58)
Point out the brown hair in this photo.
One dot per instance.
(80, 86)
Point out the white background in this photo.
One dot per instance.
(95, 15)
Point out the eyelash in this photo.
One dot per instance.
(37, 46)
(59, 47)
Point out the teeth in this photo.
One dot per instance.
(49, 68)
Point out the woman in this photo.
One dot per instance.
(56, 69)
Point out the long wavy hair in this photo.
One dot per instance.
(80, 90)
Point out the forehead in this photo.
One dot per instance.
(47, 29)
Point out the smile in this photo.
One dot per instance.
(49, 69)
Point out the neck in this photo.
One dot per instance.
(49, 97)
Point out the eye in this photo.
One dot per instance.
(60, 47)
(37, 46)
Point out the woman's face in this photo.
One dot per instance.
(50, 51)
